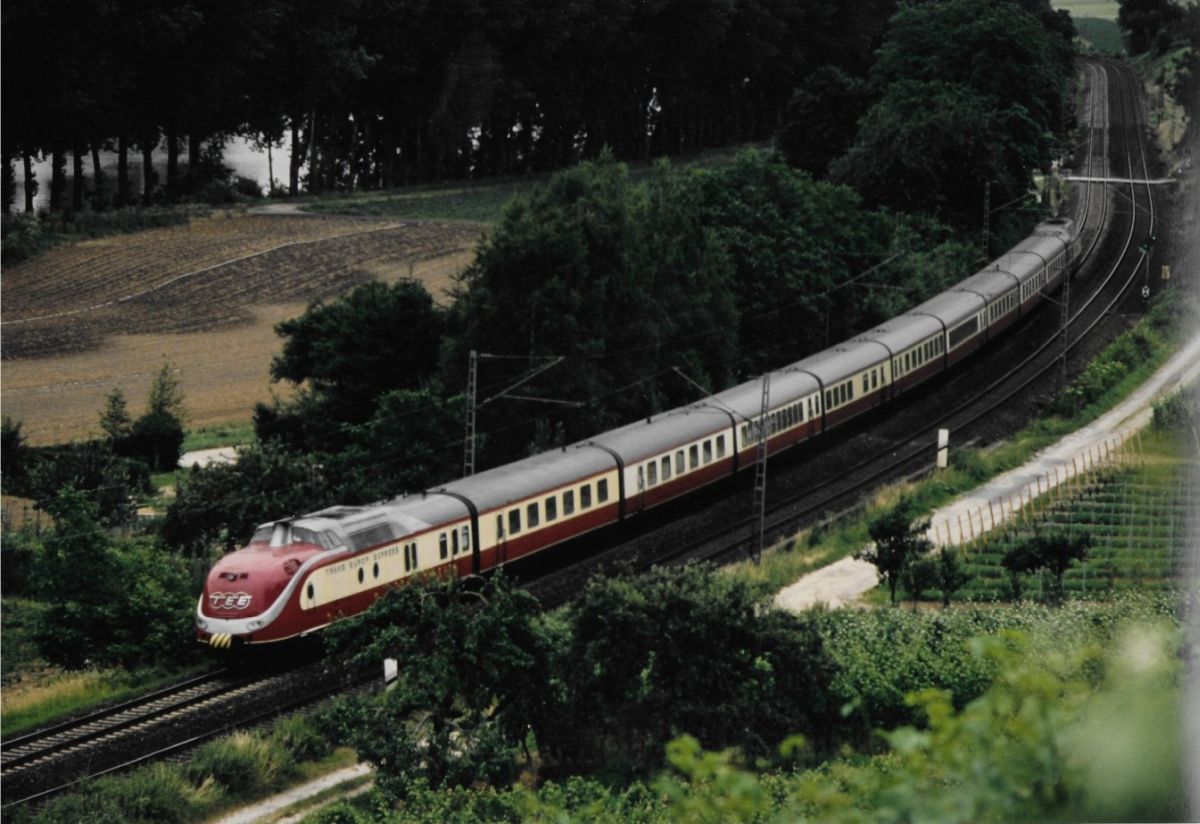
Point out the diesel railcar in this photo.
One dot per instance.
(300, 574)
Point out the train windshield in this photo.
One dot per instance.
(325, 540)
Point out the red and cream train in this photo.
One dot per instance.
(300, 574)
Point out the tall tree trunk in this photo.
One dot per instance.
(295, 160)
(31, 184)
(195, 144)
(98, 182)
(270, 172)
(353, 166)
(122, 171)
(58, 164)
(172, 163)
(148, 175)
(77, 182)
(389, 166)
(314, 171)
(10, 183)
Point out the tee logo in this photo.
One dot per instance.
(229, 600)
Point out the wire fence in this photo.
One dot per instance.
(1134, 495)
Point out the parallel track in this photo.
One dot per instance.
(166, 722)
(912, 453)
(1112, 289)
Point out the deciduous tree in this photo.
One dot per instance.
(897, 540)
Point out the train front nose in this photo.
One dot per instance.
(239, 590)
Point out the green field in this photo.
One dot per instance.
(1104, 36)
(1103, 9)
(1137, 516)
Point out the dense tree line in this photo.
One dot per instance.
(374, 93)
(377, 92)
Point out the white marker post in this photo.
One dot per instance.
(943, 456)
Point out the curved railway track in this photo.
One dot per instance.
(911, 452)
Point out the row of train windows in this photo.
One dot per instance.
(840, 394)
(1034, 285)
(410, 553)
(449, 544)
(871, 380)
(919, 355)
(652, 468)
(964, 330)
(778, 421)
(533, 510)
(1003, 306)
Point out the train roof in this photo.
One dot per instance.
(842, 361)
(951, 307)
(531, 476)
(636, 441)
(997, 280)
(901, 333)
(786, 388)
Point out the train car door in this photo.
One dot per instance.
(501, 540)
(640, 498)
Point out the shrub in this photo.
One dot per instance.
(303, 738)
(244, 765)
(1177, 412)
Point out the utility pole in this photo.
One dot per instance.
(760, 472)
(987, 216)
(1066, 320)
(469, 439)
(472, 405)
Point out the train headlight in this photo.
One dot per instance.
(201, 623)
(255, 624)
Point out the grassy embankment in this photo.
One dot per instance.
(1110, 378)
(35, 694)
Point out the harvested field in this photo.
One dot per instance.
(107, 313)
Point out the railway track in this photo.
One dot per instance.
(1116, 283)
(161, 724)
(801, 500)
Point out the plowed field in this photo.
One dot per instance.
(84, 319)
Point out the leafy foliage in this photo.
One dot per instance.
(898, 542)
(1150, 25)
(111, 601)
(375, 339)
(971, 92)
(225, 502)
(1053, 551)
(625, 280)
(473, 678)
(634, 681)
(109, 481)
(951, 574)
